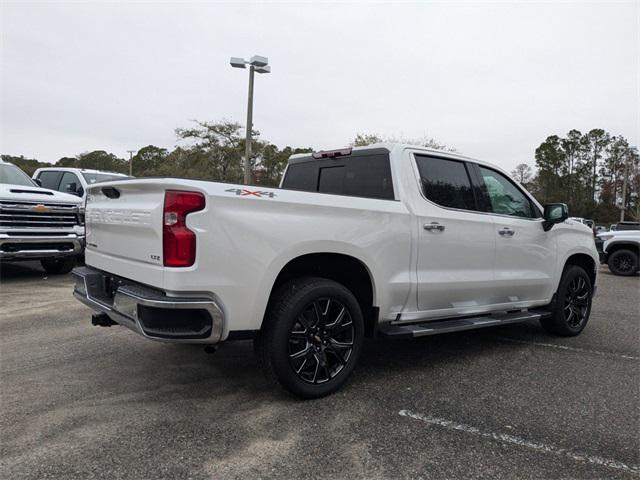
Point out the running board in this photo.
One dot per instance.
(458, 324)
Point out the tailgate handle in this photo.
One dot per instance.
(111, 192)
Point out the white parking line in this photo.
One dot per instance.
(572, 349)
(521, 442)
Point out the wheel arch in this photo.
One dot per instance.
(586, 262)
(622, 245)
(339, 267)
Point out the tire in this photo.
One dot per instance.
(311, 337)
(623, 262)
(58, 266)
(572, 307)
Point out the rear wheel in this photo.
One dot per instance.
(623, 262)
(572, 308)
(312, 337)
(58, 266)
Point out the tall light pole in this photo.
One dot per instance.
(624, 183)
(131, 152)
(256, 64)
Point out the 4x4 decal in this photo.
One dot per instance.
(245, 193)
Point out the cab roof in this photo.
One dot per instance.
(390, 147)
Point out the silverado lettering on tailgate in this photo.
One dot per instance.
(121, 217)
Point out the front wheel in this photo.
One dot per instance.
(572, 308)
(58, 266)
(623, 262)
(311, 337)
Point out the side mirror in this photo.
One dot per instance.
(554, 213)
(38, 182)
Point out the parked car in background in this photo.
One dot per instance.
(73, 181)
(393, 240)
(620, 226)
(600, 229)
(585, 221)
(619, 250)
(37, 223)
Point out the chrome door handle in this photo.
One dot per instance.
(506, 232)
(433, 227)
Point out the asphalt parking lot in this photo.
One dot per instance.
(510, 402)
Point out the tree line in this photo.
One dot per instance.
(207, 151)
(584, 170)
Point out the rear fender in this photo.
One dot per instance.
(307, 248)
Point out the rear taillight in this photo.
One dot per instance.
(178, 242)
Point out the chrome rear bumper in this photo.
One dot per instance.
(149, 312)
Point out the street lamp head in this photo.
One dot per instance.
(258, 61)
(237, 62)
(266, 69)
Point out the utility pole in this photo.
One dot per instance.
(131, 152)
(624, 185)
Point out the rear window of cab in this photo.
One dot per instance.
(364, 173)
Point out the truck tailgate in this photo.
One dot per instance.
(124, 227)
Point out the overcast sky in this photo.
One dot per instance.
(492, 80)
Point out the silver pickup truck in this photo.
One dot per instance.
(37, 223)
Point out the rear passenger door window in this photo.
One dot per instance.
(504, 197)
(446, 182)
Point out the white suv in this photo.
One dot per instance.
(391, 240)
(73, 181)
(619, 249)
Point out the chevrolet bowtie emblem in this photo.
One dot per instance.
(40, 208)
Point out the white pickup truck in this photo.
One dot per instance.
(37, 223)
(73, 181)
(392, 240)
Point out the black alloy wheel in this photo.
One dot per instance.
(321, 340)
(311, 337)
(570, 312)
(623, 262)
(577, 302)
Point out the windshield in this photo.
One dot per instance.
(12, 175)
(92, 178)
